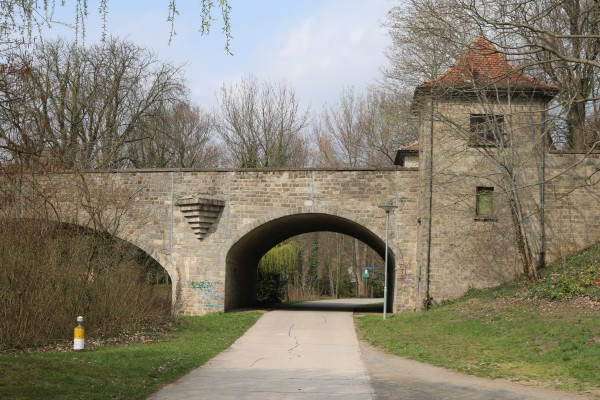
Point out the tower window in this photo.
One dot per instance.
(484, 203)
(487, 130)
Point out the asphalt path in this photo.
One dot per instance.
(311, 351)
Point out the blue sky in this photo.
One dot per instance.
(317, 47)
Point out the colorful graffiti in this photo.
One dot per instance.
(203, 284)
(211, 293)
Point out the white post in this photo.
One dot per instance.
(79, 335)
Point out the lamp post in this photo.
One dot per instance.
(387, 208)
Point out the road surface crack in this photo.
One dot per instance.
(255, 362)
(291, 350)
(324, 320)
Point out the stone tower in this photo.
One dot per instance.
(482, 131)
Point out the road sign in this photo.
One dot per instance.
(370, 268)
(366, 274)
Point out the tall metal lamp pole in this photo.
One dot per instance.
(387, 208)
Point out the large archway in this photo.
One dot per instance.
(243, 257)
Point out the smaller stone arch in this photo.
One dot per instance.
(243, 256)
(133, 240)
(162, 259)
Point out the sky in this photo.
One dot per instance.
(317, 47)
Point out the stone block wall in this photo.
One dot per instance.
(572, 203)
(151, 209)
(469, 251)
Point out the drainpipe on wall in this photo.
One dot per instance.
(428, 266)
(542, 258)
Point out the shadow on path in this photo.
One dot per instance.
(366, 306)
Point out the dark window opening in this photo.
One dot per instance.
(487, 130)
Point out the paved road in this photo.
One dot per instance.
(312, 352)
(287, 354)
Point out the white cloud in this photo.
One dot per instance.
(340, 45)
(300, 39)
(317, 46)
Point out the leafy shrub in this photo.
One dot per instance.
(271, 287)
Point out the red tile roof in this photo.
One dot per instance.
(482, 66)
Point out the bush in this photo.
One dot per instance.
(271, 288)
(50, 274)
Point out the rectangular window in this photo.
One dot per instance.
(484, 207)
(487, 130)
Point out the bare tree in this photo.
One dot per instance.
(180, 135)
(387, 123)
(262, 125)
(341, 125)
(79, 107)
(425, 41)
(364, 130)
(16, 145)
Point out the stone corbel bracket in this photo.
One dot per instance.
(201, 213)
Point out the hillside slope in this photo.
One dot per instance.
(546, 333)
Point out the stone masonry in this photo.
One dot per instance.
(208, 229)
(459, 249)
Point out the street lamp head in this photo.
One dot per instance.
(388, 207)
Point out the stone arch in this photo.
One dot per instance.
(133, 240)
(162, 259)
(248, 248)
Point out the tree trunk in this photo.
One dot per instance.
(576, 123)
(529, 267)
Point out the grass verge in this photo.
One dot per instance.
(121, 372)
(546, 334)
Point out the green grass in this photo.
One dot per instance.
(548, 333)
(121, 372)
(578, 275)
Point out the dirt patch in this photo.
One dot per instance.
(487, 308)
(126, 339)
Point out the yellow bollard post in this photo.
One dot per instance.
(79, 335)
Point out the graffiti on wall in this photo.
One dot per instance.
(211, 293)
(203, 284)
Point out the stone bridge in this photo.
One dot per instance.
(466, 202)
(209, 229)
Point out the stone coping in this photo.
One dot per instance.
(255, 170)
